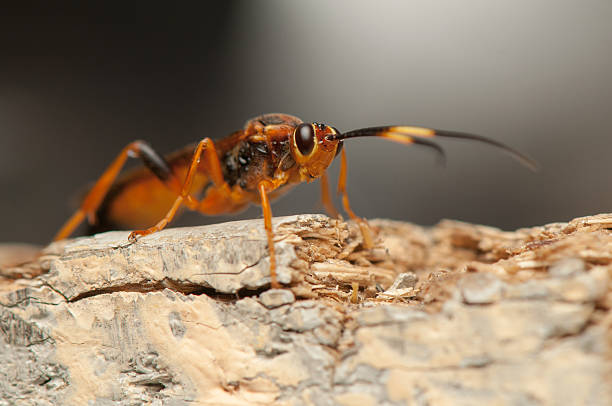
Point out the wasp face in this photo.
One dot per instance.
(313, 148)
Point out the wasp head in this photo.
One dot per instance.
(313, 148)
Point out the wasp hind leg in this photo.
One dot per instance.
(137, 149)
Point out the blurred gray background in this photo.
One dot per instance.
(76, 85)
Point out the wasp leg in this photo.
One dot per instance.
(368, 241)
(136, 149)
(326, 198)
(212, 166)
(221, 198)
(267, 212)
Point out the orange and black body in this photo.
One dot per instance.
(260, 162)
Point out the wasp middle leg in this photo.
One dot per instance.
(213, 169)
(221, 189)
(267, 212)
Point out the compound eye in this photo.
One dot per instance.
(304, 138)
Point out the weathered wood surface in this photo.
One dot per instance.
(454, 314)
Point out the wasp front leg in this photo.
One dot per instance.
(326, 197)
(368, 240)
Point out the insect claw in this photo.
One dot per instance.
(133, 237)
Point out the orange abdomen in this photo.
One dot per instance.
(139, 200)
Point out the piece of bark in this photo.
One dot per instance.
(478, 316)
